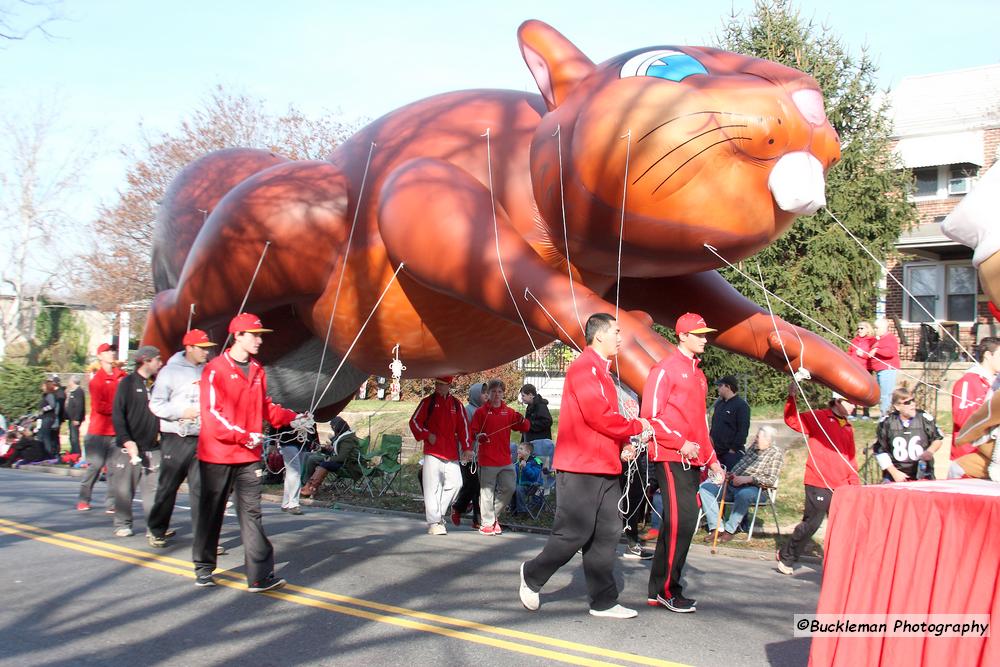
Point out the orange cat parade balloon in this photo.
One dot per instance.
(473, 227)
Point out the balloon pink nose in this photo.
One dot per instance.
(810, 103)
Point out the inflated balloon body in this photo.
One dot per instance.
(507, 212)
(976, 223)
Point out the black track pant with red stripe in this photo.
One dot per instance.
(679, 489)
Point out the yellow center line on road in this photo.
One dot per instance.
(235, 580)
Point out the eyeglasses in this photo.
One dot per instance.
(909, 401)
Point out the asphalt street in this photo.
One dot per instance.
(364, 589)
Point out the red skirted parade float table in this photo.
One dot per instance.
(914, 549)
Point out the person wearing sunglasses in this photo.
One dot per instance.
(906, 440)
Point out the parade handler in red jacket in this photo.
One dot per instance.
(491, 427)
(674, 401)
(830, 465)
(234, 404)
(440, 423)
(593, 436)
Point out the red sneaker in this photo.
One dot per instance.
(650, 535)
(456, 518)
(496, 528)
(82, 507)
(487, 530)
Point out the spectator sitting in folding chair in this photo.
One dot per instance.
(341, 453)
(529, 477)
(758, 469)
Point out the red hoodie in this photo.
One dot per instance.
(591, 430)
(446, 421)
(496, 424)
(886, 350)
(102, 400)
(864, 344)
(674, 403)
(232, 407)
(967, 395)
(825, 468)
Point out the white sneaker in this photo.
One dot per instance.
(784, 569)
(124, 532)
(437, 529)
(617, 611)
(529, 598)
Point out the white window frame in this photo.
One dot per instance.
(946, 185)
(942, 295)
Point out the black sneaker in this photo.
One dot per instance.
(690, 601)
(204, 580)
(679, 604)
(636, 552)
(272, 583)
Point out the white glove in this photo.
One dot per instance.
(255, 440)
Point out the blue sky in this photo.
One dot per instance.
(114, 65)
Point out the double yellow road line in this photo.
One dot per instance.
(456, 628)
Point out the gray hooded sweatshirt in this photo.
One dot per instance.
(176, 389)
(475, 400)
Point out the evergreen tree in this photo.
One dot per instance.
(815, 265)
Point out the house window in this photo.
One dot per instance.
(960, 177)
(925, 182)
(945, 290)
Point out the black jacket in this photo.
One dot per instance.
(730, 424)
(538, 414)
(75, 405)
(131, 415)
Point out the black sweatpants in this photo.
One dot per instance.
(586, 516)
(468, 494)
(97, 451)
(679, 488)
(217, 480)
(74, 438)
(177, 463)
(817, 505)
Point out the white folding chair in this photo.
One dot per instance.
(769, 496)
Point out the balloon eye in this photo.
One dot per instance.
(663, 64)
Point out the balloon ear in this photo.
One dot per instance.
(556, 64)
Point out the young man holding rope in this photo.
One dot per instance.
(234, 404)
(674, 401)
(830, 465)
(440, 423)
(492, 424)
(593, 439)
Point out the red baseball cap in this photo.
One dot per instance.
(692, 323)
(104, 347)
(247, 322)
(198, 338)
(445, 379)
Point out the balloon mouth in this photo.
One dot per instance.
(797, 183)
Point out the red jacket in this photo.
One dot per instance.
(591, 430)
(886, 349)
(674, 403)
(232, 407)
(971, 391)
(496, 424)
(864, 344)
(448, 424)
(825, 468)
(102, 400)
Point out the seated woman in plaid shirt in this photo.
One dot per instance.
(758, 469)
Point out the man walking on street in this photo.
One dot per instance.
(440, 423)
(593, 439)
(136, 460)
(176, 401)
(234, 404)
(100, 440)
(674, 402)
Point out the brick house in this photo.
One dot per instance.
(946, 131)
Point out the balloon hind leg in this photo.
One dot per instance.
(299, 209)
